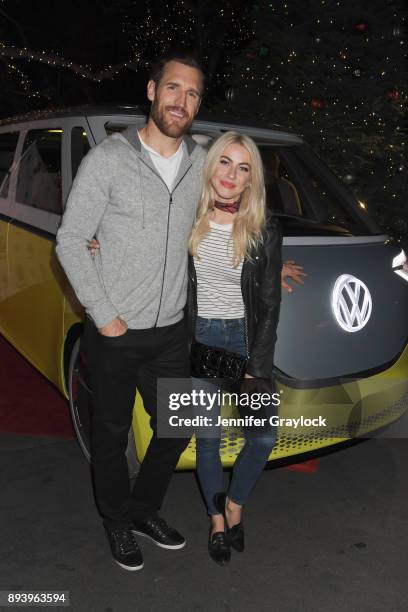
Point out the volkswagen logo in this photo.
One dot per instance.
(351, 303)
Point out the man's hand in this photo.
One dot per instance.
(290, 269)
(117, 327)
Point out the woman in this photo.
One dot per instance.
(234, 299)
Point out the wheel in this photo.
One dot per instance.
(80, 403)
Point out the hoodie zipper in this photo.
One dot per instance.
(167, 230)
(165, 258)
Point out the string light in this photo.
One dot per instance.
(55, 60)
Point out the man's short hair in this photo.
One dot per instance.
(188, 58)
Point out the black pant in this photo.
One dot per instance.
(116, 367)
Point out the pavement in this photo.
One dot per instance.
(334, 540)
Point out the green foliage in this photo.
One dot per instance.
(335, 73)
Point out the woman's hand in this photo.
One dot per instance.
(290, 269)
(93, 246)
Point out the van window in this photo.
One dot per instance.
(8, 143)
(79, 148)
(297, 188)
(282, 194)
(39, 177)
(327, 199)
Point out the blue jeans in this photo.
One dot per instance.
(228, 334)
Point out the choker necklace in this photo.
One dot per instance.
(233, 207)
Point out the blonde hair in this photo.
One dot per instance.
(250, 219)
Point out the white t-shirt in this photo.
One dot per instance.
(218, 283)
(167, 167)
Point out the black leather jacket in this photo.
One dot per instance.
(261, 293)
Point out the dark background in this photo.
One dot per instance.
(334, 71)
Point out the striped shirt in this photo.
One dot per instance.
(218, 283)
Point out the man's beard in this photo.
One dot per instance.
(173, 130)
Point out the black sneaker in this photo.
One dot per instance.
(157, 530)
(125, 549)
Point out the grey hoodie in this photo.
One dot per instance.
(140, 271)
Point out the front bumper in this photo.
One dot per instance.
(352, 409)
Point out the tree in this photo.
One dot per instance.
(334, 72)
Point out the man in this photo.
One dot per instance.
(137, 193)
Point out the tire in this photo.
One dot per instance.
(80, 403)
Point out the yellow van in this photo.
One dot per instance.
(342, 336)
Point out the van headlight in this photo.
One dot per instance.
(400, 265)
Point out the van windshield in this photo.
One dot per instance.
(302, 190)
